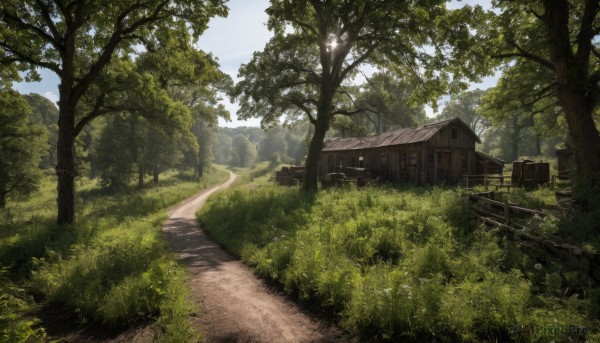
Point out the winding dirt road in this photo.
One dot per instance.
(235, 305)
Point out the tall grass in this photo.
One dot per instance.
(112, 267)
(400, 265)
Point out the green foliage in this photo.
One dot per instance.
(317, 48)
(466, 106)
(287, 141)
(45, 113)
(389, 103)
(397, 265)
(243, 153)
(14, 326)
(22, 148)
(113, 268)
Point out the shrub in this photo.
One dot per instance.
(395, 265)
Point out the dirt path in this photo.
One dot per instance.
(235, 305)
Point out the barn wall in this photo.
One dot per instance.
(444, 158)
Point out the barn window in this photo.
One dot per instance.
(413, 159)
(384, 159)
(430, 158)
(352, 161)
(463, 161)
(453, 133)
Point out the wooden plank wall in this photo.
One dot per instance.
(414, 163)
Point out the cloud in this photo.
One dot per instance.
(51, 96)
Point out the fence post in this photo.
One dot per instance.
(506, 212)
(485, 182)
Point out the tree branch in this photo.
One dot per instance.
(96, 112)
(305, 109)
(24, 57)
(30, 27)
(109, 48)
(528, 56)
(48, 20)
(346, 112)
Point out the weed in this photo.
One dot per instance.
(399, 265)
(112, 267)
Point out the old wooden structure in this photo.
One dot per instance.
(289, 176)
(436, 153)
(486, 164)
(530, 173)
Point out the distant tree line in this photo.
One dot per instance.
(244, 146)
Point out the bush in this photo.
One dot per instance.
(394, 265)
(112, 267)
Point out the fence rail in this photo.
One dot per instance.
(483, 206)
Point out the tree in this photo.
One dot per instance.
(45, 113)
(116, 170)
(523, 105)
(273, 143)
(387, 100)
(557, 41)
(318, 47)
(222, 149)
(76, 40)
(466, 106)
(22, 146)
(243, 152)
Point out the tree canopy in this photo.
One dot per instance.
(551, 49)
(318, 47)
(77, 40)
(21, 149)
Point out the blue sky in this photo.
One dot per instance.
(232, 40)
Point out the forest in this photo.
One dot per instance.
(98, 186)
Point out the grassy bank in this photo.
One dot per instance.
(403, 265)
(111, 269)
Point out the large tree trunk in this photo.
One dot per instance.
(577, 91)
(65, 167)
(584, 135)
(310, 181)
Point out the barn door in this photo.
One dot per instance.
(443, 165)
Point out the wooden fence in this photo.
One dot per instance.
(500, 214)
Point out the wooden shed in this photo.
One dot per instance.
(530, 173)
(486, 164)
(436, 153)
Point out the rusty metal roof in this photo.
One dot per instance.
(397, 137)
(489, 158)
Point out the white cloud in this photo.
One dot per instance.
(51, 96)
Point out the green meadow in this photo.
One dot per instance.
(112, 268)
(404, 264)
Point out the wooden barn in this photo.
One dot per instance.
(486, 164)
(436, 153)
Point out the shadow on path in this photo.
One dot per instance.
(236, 306)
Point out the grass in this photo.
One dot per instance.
(403, 265)
(112, 268)
(258, 176)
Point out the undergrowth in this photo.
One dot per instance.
(112, 268)
(404, 265)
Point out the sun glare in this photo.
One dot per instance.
(333, 44)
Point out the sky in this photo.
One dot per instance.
(233, 40)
